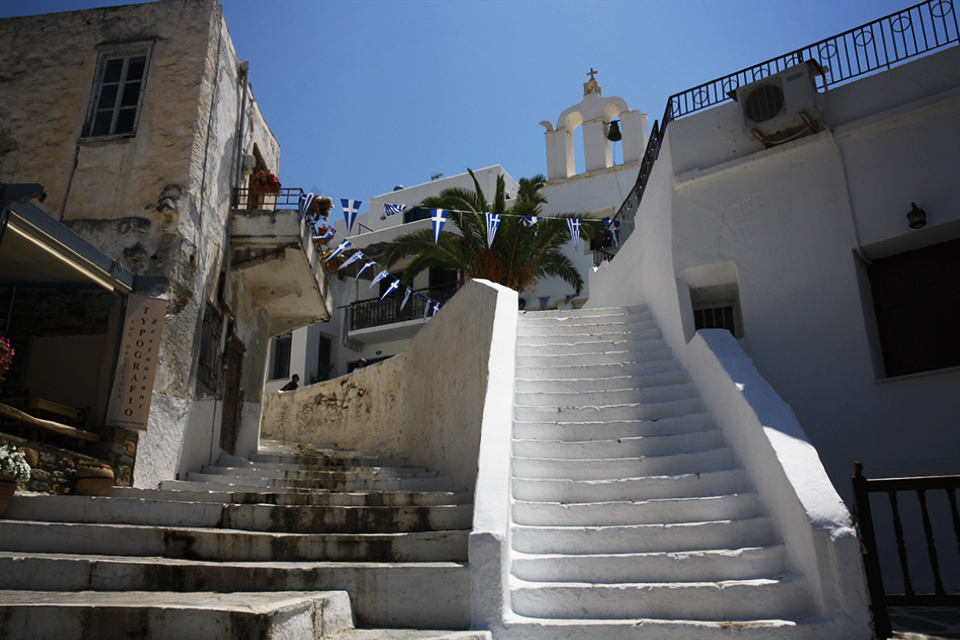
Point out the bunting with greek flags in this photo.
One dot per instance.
(437, 218)
(543, 302)
(340, 249)
(436, 307)
(349, 261)
(369, 264)
(393, 209)
(303, 207)
(406, 297)
(330, 231)
(493, 223)
(569, 298)
(529, 221)
(574, 225)
(380, 276)
(613, 227)
(393, 287)
(426, 308)
(351, 208)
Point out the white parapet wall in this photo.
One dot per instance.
(425, 405)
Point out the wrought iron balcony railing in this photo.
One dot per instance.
(864, 50)
(247, 198)
(376, 313)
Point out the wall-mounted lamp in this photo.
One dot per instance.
(613, 132)
(917, 217)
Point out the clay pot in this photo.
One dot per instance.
(93, 481)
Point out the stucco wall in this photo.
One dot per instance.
(424, 405)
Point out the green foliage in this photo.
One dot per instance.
(519, 257)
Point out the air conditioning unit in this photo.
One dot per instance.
(774, 104)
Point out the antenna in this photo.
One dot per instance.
(436, 176)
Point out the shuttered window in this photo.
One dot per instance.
(118, 92)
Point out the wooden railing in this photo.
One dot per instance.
(880, 600)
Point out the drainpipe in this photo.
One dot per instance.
(244, 76)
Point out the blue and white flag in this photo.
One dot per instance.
(437, 218)
(303, 206)
(380, 276)
(613, 228)
(393, 287)
(349, 261)
(543, 302)
(493, 223)
(436, 307)
(529, 221)
(392, 209)
(350, 210)
(340, 249)
(406, 297)
(574, 225)
(569, 298)
(426, 307)
(369, 264)
(327, 235)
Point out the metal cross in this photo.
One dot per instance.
(592, 73)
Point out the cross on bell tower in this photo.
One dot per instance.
(591, 86)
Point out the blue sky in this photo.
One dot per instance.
(367, 94)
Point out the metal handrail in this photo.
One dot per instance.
(863, 50)
(247, 198)
(365, 314)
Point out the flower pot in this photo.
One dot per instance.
(7, 489)
(93, 481)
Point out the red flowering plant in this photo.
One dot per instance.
(265, 182)
(6, 355)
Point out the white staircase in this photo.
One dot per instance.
(630, 516)
(297, 542)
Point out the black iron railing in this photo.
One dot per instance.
(376, 313)
(869, 48)
(879, 598)
(247, 198)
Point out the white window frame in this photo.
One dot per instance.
(126, 52)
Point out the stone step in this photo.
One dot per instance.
(251, 483)
(625, 447)
(607, 397)
(657, 361)
(643, 330)
(634, 352)
(624, 342)
(412, 634)
(717, 459)
(670, 375)
(712, 565)
(231, 544)
(301, 519)
(522, 628)
(637, 411)
(318, 458)
(156, 615)
(432, 595)
(643, 538)
(319, 473)
(319, 497)
(606, 314)
(654, 511)
(613, 429)
(778, 596)
(712, 483)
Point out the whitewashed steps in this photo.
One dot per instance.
(628, 505)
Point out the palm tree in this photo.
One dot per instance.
(519, 257)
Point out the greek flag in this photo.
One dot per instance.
(569, 298)
(437, 218)
(349, 261)
(350, 210)
(493, 223)
(380, 276)
(326, 236)
(393, 287)
(529, 221)
(303, 206)
(369, 264)
(543, 302)
(574, 225)
(613, 228)
(340, 249)
(426, 308)
(436, 307)
(392, 209)
(406, 297)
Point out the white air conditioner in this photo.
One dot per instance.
(774, 104)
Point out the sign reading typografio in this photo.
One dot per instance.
(137, 363)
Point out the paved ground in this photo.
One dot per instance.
(925, 623)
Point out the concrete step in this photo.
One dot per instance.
(633, 512)
(252, 484)
(524, 628)
(632, 352)
(778, 596)
(623, 447)
(584, 315)
(585, 347)
(319, 458)
(668, 376)
(653, 362)
(642, 330)
(412, 634)
(637, 411)
(337, 519)
(712, 483)
(430, 594)
(693, 566)
(644, 538)
(607, 397)
(168, 615)
(298, 472)
(612, 429)
(231, 544)
(717, 459)
(319, 497)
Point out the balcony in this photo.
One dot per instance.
(379, 320)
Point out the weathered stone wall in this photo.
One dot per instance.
(424, 405)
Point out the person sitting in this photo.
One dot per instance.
(293, 384)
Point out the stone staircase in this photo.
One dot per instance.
(296, 542)
(631, 517)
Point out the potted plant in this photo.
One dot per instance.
(6, 357)
(94, 479)
(14, 471)
(265, 182)
(322, 206)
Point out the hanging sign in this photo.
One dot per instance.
(137, 363)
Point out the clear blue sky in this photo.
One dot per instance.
(367, 94)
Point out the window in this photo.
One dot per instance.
(715, 318)
(208, 368)
(118, 92)
(280, 366)
(414, 214)
(717, 307)
(916, 296)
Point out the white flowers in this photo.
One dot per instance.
(13, 465)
